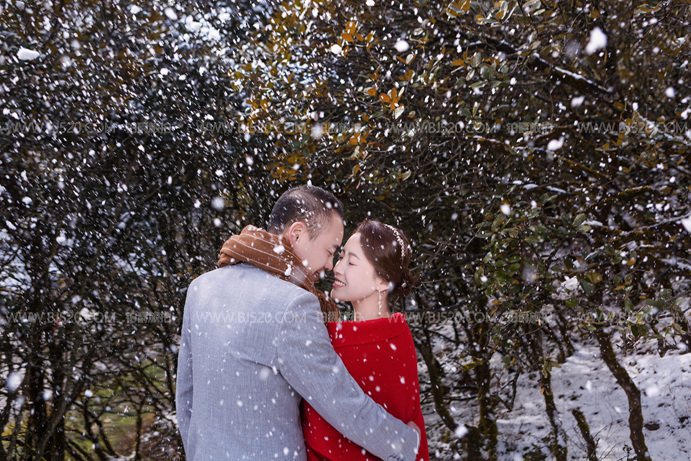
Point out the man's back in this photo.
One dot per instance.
(241, 402)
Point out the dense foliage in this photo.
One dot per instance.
(534, 152)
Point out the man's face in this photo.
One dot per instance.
(317, 253)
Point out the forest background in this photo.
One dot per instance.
(535, 152)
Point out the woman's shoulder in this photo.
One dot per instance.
(348, 333)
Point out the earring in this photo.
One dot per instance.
(379, 303)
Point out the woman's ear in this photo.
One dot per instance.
(382, 285)
(295, 232)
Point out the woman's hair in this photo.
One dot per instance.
(388, 249)
(310, 204)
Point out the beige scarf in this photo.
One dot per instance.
(273, 254)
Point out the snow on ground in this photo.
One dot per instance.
(585, 382)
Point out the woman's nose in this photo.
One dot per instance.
(337, 267)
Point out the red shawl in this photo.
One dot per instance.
(380, 355)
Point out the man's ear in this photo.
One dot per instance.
(296, 231)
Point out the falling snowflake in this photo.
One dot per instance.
(555, 144)
(402, 46)
(25, 54)
(598, 40)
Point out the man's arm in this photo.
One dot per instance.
(184, 385)
(307, 360)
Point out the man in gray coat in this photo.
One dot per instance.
(254, 343)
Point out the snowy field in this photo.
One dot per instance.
(585, 382)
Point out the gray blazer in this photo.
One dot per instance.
(252, 346)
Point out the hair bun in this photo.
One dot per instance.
(405, 285)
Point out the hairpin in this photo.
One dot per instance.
(399, 239)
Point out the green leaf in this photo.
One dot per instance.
(586, 285)
(580, 219)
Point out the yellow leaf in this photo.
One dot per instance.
(384, 98)
(394, 93)
(631, 262)
(353, 140)
(619, 106)
(466, 6)
(347, 37)
(356, 168)
(458, 62)
(372, 91)
(350, 28)
(407, 76)
(369, 37)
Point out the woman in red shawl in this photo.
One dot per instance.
(377, 347)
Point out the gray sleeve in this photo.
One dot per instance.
(184, 383)
(307, 360)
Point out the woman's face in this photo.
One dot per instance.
(355, 277)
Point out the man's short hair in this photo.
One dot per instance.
(310, 204)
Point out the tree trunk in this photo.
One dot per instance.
(57, 418)
(632, 393)
(472, 444)
(591, 445)
(488, 422)
(38, 435)
(680, 319)
(559, 446)
(436, 387)
(565, 345)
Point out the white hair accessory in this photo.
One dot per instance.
(399, 239)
